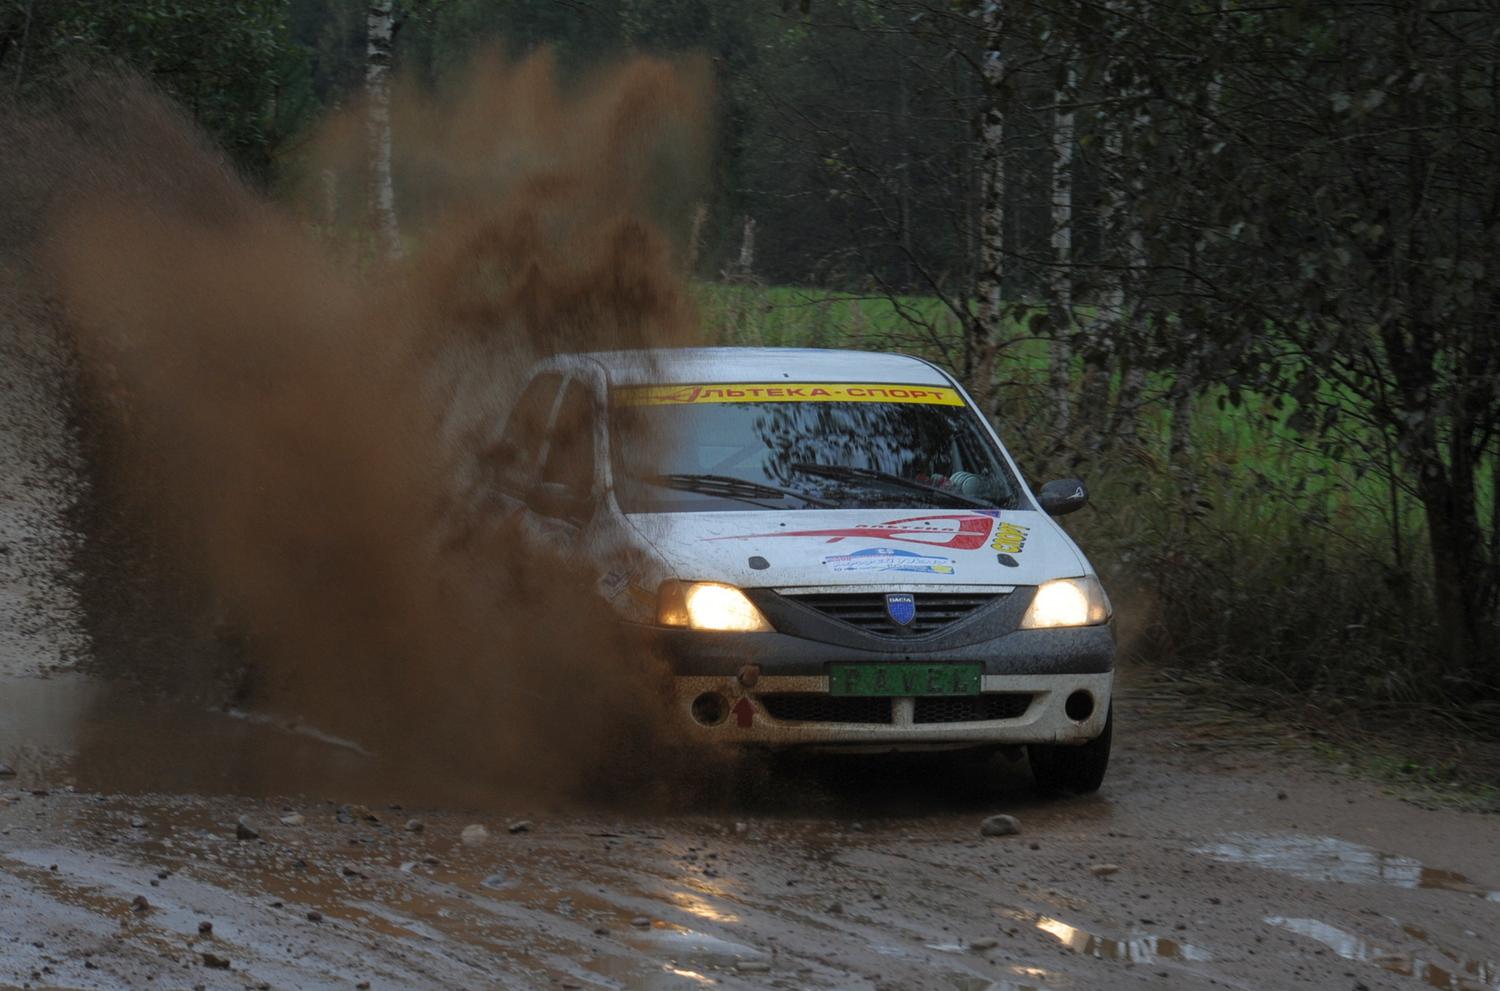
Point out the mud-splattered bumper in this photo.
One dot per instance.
(1036, 686)
(797, 710)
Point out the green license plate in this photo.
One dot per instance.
(903, 679)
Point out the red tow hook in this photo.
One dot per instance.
(744, 713)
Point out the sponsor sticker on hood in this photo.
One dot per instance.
(890, 559)
(786, 392)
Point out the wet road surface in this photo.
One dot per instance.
(1194, 868)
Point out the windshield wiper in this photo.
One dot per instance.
(731, 487)
(846, 472)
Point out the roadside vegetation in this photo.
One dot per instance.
(1263, 558)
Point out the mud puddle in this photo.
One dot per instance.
(1325, 858)
(40, 720)
(1451, 975)
(71, 730)
(1142, 949)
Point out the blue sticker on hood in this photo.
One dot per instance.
(890, 559)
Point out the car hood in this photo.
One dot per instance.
(800, 548)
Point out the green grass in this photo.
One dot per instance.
(1250, 441)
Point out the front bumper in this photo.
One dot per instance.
(1034, 710)
(1027, 678)
(1083, 650)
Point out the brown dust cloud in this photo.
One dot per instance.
(291, 511)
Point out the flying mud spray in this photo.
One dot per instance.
(292, 508)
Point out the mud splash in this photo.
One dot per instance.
(294, 456)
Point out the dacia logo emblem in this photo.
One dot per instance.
(901, 607)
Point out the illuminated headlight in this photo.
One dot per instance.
(1068, 602)
(708, 606)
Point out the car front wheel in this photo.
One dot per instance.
(1060, 768)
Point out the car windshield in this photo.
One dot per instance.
(702, 449)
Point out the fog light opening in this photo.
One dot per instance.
(710, 709)
(1080, 706)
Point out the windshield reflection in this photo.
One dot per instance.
(798, 455)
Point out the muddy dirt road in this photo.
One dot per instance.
(1194, 868)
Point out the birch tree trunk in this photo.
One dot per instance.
(1117, 305)
(1060, 280)
(1185, 386)
(1183, 393)
(985, 333)
(695, 237)
(1123, 346)
(1105, 328)
(745, 264)
(380, 27)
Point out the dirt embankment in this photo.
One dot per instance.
(40, 623)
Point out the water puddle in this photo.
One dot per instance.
(1144, 949)
(108, 737)
(39, 718)
(689, 947)
(1462, 975)
(1324, 858)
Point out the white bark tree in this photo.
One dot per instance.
(1060, 276)
(1186, 384)
(380, 29)
(987, 331)
(1126, 260)
(744, 266)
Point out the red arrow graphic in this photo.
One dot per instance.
(968, 533)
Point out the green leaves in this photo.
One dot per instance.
(224, 62)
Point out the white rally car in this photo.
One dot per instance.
(830, 548)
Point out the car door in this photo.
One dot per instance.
(565, 497)
(515, 461)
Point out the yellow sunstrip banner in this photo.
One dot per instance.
(786, 392)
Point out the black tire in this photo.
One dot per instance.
(1061, 768)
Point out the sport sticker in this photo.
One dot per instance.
(1009, 538)
(889, 559)
(786, 392)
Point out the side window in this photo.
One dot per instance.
(570, 458)
(521, 445)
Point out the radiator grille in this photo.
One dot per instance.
(817, 707)
(971, 708)
(866, 610)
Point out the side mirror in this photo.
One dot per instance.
(1062, 496)
(560, 501)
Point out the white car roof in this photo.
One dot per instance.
(666, 366)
